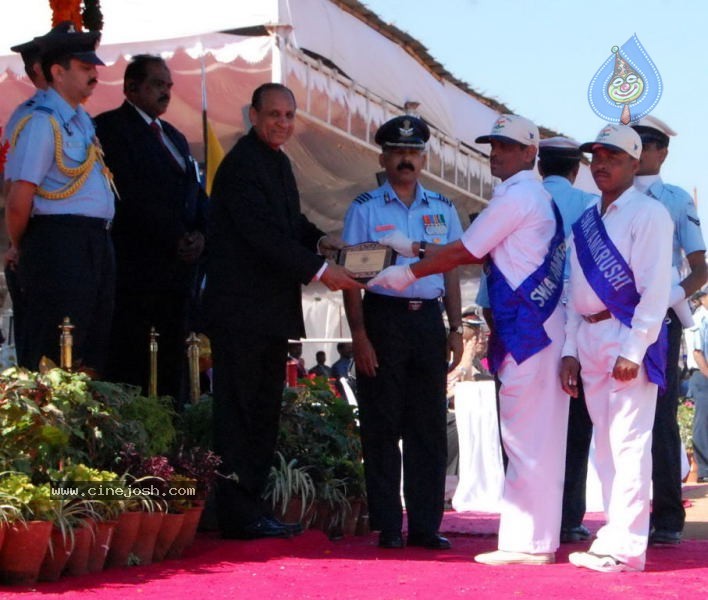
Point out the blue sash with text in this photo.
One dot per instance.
(519, 314)
(612, 280)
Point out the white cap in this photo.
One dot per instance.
(512, 128)
(619, 137)
(655, 123)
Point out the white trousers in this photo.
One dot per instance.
(622, 413)
(534, 421)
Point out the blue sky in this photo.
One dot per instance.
(539, 56)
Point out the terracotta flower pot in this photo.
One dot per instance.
(78, 561)
(2, 534)
(23, 551)
(186, 534)
(103, 536)
(171, 525)
(144, 545)
(123, 539)
(56, 557)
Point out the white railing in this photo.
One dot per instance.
(339, 103)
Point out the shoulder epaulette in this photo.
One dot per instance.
(45, 109)
(363, 198)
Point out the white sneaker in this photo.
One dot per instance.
(504, 557)
(604, 563)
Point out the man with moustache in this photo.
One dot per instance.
(158, 230)
(401, 350)
(620, 277)
(59, 210)
(520, 237)
(262, 250)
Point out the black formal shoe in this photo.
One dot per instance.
(432, 541)
(664, 537)
(263, 527)
(574, 534)
(293, 528)
(390, 539)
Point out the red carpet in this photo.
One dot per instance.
(312, 567)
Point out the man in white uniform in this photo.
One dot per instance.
(620, 276)
(520, 236)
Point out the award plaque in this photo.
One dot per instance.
(366, 260)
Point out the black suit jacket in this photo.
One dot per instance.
(261, 247)
(158, 202)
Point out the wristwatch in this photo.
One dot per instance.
(421, 249)
(457, 329)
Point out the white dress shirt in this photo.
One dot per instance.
(641, 229)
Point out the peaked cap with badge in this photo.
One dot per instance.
(560, 146)
(653, 129)
(64, 39)
(405, 131)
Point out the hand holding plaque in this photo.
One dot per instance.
(366, 260)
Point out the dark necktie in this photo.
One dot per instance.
(157, 130)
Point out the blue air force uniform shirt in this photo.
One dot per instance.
(571, 203)
(17, 115)
(33, 160)
(687, 227)
(431, 217)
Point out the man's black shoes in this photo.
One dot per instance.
(432, 541)
(263, 527)
(390, 539)
(664, 537)
(574, 534)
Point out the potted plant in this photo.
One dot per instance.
(86, 515)
(201, 466)
(26, 538)
(9, 513)
(290, 489)
(319, 429)
(134, 508)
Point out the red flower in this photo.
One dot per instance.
(3, 152)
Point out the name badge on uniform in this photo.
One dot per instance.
(434, 224)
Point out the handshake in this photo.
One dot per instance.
(396, 277)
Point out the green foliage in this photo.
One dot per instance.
(686, 411)
(287, 481)
(156, 416)
(34, 502)
(318, 430)
(44, 417)
(194, 424)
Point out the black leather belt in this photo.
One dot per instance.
(401, 303)
(74, 220)
(597, 317)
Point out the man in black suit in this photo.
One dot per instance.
(262, 249)
(158, 230)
